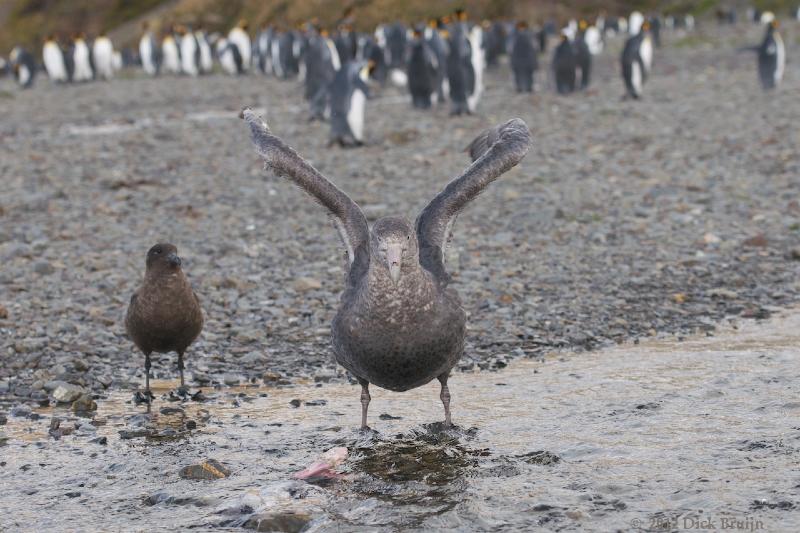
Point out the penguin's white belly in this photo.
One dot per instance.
(780, 60)
(593, 40)
(355, 115)
(24, 75)
(399, 78)
(54, 63)
(103, 52)
(636, 78)
(83, 70)
(146, 53)
(276, 59)
(171, 58)
(188, 49)
(478, 61)
(646, 53)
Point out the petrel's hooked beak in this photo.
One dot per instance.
(174, 260)
(394, 257)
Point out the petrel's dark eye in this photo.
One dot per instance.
(157, 251)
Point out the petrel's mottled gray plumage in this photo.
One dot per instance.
(399, 325)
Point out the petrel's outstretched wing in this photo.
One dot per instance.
(284, 161)
(494, 152)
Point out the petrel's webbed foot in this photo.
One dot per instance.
(365, 398)
(445, 396)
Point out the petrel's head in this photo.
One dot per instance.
(394, 243)
(163, 258)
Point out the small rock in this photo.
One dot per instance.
(324, 376)
(43, 268)
(100, 440)
(208, 469)
(252, 357)
(52, 385)
(270, 377)
(710, 238)
(284, 522)
(295, 403)
(679, 297)
(84, 404)
(304, 284)
(20, 411)
(86, 428)
(191, 424)
(759, 241)
(3, 312)
(722, 292)
(313, 403)
(67, 393)
(540, 457)
(230, 379)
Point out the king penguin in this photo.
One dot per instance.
(190, 52)
(564, 65)
(321, 61)
(103, 56)
(478, 61)
(523, 58)
(436, 37)
(23, 66)
(460, 67)
(238, 36)
(583, 55)
(637, 57)
(771, 57)
(396, 39)
(171, 55)
(230, 58)
(149, 51)
(262, 50)
(423, 66)
(81, 59)
(206, 62)
(349, 93)
(54, 63)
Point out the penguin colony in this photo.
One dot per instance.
(439, 63)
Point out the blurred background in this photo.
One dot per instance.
(27, 22)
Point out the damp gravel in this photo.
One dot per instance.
(656, 436)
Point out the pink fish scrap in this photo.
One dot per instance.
(324, 467)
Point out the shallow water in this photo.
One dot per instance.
(664, 435)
